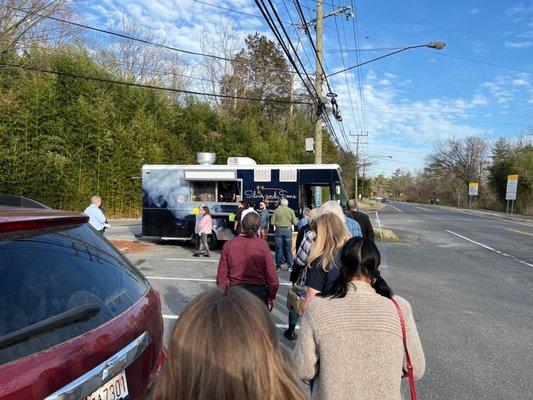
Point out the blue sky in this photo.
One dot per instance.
(410, 99)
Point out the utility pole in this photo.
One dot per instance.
(357, 135)
(357, 169)
(319, 76)
(318, 23)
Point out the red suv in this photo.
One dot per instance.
(77, 319)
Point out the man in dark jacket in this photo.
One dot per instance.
(363, 220)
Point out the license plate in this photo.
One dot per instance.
(115, 389)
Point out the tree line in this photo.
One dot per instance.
(454, 163)
(64, 138)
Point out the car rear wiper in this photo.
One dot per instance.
(77, 314)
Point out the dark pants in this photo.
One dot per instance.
(293, 320)
(261, 291)
(283, 238)
(202, 246)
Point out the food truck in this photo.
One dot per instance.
(172, 194)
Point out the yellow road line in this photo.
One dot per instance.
(517, 231)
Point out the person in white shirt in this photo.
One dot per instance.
(251, 205)
(96, 217)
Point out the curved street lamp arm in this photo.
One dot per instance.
(434, 45)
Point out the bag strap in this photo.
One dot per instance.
(410, 374)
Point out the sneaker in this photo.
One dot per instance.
(196, 255)
(290, 334)
(207, 255)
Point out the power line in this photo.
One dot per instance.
(308, 33)
(146, 86)
(358, 60)
(482, 62)
(129, 37)
(359, 49)
(117, 63)
(230, 9)
(346, 77)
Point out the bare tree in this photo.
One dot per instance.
(26, 21)
(225, 44)
(144, 63)
(463, 159)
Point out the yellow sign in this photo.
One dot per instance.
(511, 177)
(473, 188)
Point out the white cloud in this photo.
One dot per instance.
(519, 9)
(525, 35)
(518, 45)
(384, 82)
(474, 11)
(520, 82)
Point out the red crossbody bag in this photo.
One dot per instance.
(410, 375)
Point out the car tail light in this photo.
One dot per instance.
(158, 368)
(40, 222)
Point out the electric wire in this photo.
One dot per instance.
(348, 86)
(140, 85)
(358, 59)
(125, 36)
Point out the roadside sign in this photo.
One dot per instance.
(309, 144)
(473, 188)
(512, 185)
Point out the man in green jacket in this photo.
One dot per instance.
(283, 221)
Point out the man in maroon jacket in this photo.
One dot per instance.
(247, 261)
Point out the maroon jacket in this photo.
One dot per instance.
(247, 260)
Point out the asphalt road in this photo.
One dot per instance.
(468, 277)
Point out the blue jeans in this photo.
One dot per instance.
(283, 246)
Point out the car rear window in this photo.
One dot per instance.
(44, 274)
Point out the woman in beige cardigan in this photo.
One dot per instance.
(350, 344)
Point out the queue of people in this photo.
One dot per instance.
(355, 335)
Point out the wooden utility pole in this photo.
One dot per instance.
(319, 76)
(357, 163)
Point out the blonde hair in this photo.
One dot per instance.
(224, 346)
(331, 234)
(334, 207)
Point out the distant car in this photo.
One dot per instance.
(378, 198)
(77, 319)
(384, 200)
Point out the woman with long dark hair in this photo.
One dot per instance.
(351, 342)
(224, 346)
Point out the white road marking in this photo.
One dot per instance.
(517, 231)
(397, 209)
(170, 278)
(424, 209)
(203, 259)
(489, 248)
(175, 317)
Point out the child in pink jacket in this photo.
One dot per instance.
(205, 226)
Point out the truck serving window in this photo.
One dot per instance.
(212, 191)
(203, 191)
(228, 191)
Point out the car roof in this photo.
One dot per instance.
(22, 218)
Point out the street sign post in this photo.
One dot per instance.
(510, 193)
(473, 190)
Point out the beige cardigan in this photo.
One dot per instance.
(353, 347)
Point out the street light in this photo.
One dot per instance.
(438, 45)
